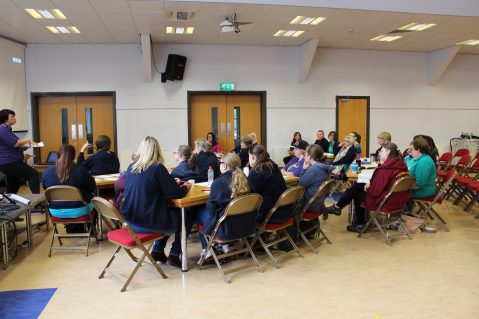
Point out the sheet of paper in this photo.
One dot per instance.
(365, 176)
(39, 144)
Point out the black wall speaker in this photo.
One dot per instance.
(175, 68)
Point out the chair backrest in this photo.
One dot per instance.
(402, 184)
(445, 158)
(323, 190)
(463, 162)
(246, 204)
(461, 152)
(289, 197)
(107, 209)
(63, 193)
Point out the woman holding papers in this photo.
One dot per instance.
(12, 162)
(373, 192)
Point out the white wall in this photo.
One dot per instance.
(402, 102)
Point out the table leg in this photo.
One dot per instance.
(184, 255)
(3, 233)
(28, 220)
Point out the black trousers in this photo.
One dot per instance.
(357, 193)
(16, 172)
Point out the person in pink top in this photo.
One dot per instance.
(216, 147)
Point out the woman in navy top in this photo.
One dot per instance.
(103, 161)
(148, 186)
(66, 173)
(230, 184)
(186, 168)
(206, 158)
(266, 179)
(11, 156)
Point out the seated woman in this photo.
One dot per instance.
(66, 173)
(344, 158)
(423, 168)
(355, 139)
(266, 179)
(295, 165)
(205, 158)
(103, 161)
(148, 186)
(296, 142)
(230, 184)
(186, 168)
(215, 145)
(383, 138)
(246, 144)
(332, 143)
(370, 195)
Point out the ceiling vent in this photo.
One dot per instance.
(180, 16)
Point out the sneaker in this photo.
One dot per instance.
(174, 261)
(159, 256)
(354, 228)
(226, 248)
(336, 210)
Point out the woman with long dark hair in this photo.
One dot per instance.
(65, 172)
(215, 145)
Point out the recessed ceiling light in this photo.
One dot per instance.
(73, 29)
(469, 42)
(417, 26)
(46, 14)
(386, 38)
(288, 33)
(307, 20)
(180, 30)
(63, 30)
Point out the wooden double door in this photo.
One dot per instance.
(229, 116)
(352, 114)
(73, 120)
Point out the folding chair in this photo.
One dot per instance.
(127, 239)
(426, 204)
(290, 197)
(444, 161)
(64, 193)
(238, 207)
(461, 184)
(308, 216)
(402, 184)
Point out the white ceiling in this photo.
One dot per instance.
(121, 21)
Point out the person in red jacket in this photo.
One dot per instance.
(368, 196)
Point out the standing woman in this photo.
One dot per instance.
(266, 179)
(65, 172)
(230, 184)
(383, 138)
(11, 156)
(215, 146)
(103, 161)
(148, 186)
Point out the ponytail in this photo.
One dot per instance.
(239, 183)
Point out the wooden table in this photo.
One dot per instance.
(198, 195)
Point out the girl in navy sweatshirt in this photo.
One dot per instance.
(148, 186)
(103, 161)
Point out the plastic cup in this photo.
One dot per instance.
(192, 182)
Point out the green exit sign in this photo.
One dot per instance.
(227, 86)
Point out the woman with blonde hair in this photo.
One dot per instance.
(230, 184)
(148, 186)
(205, 158)
(383, 138)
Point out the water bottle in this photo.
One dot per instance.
(211, 175)
(354, 167)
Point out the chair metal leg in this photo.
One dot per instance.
(308, 243)
(292, 243)
(266, 249)
(109, 262)
(146, 251)
(258, 266)
(133, 272)
(367, 224)
(324, 235)
(53, 239)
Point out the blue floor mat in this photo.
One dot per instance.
(24, 303)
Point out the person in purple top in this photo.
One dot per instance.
(295, 165)
(12, 162)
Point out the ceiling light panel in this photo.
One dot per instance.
(46, 14)
(417, 26)
(469, 42)
(386, 38)
(288, 33)
(180, 30)
(307, 20)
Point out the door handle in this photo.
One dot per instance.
(80, 131)
(74, 132)
(228, 128)
(222, 128)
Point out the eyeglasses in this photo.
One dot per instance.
(380, 138)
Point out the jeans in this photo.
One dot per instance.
(204, 217)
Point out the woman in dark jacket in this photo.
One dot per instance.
(148, 186)
(66, 173)
(186, 168)
(344, 157)
(296, 142)
(230, 184)
(206, 158)
(332, 143)
(103, 161)
(372, 193)
(266, 179)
